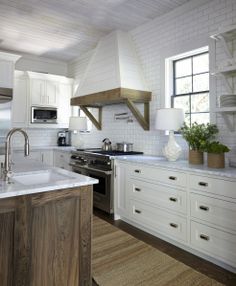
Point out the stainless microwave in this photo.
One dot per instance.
(46, 115)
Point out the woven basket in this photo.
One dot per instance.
(216, 160)
(195, 157)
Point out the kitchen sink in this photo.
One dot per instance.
(43, 177)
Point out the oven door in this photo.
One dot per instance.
(103, 191)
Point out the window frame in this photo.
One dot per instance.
(189, 94)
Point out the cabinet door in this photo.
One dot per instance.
(33, 155)
(19, 104)
(6, 73)
(62, 160)
(120, 191)
(37, 92)
(47, 158)
(64, 107)
(51, 92)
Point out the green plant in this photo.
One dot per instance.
(198, 134)
(216, 147)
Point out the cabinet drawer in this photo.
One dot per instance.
(164, 196)
(155, 174)
(218, 212)
(217, 243)
(61, 158)
(214, 186)
(160, 221)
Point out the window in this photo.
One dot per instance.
(191, 87)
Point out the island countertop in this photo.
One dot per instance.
(47, 179)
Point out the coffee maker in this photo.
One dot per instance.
(64, 138)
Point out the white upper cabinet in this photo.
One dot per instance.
(64, 107)
(35, 89)
(7, 66)
(51, 93)
(20, 110)
(6, 72)
(43, 92)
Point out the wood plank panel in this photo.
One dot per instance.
(22, 242)
(45, 239)
(6, 249)
(86, 211)
(55, 237)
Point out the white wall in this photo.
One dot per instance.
(37, 137)
(189, 26)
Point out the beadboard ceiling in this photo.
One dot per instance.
(64, 29)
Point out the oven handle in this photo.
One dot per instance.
(91, 169)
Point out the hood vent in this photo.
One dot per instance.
(113, 76)
(5, 94)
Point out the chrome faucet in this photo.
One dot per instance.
(7, 164)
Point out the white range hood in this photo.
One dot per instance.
(114, 64)
(113, 76)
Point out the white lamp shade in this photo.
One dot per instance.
(78, 123)
(169, 119)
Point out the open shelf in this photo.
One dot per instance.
(229, 70)
(228, 33)
(226, 109)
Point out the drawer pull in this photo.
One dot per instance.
(203, 184)
(173, 225)
(204, 237)
(138, 211)
(172, 178)
(137, 171)
(204, 208)
(137, 189)
(173, 199)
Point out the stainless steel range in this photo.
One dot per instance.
(99, 164)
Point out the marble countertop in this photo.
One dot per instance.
(56, 179)
(180, 165)
(57, 148)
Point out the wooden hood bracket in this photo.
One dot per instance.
(143, 120)
(97, 123)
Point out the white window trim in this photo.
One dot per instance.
(169, 71)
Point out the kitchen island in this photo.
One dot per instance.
(45, 227)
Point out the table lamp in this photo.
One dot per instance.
(77, 123)
(170, 119)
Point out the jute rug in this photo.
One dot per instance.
(119, 259)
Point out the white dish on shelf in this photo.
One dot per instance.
(227, 100)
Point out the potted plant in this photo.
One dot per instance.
(216, 154)
(197, 136)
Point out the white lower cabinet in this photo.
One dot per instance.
(43, 156)
(196, 212)
(162, 195)
(214, 242)
(217, 212)
(62, 160)
(168, 224)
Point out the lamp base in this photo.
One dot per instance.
(172, 150)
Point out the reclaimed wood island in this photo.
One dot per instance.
(45, 229)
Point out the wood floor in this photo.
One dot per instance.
(199, 264)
